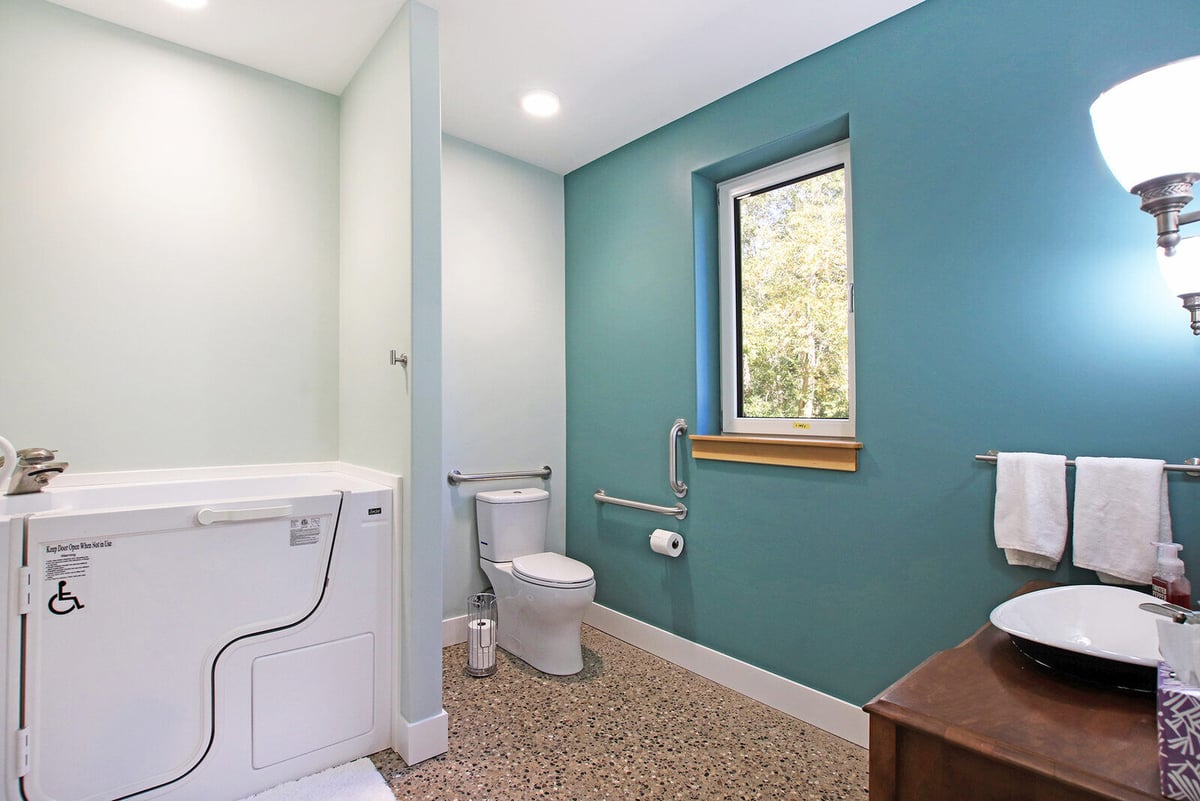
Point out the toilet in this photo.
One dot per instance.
(542, 596)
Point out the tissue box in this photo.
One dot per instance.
(1178, 737)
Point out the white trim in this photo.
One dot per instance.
(106, 478)
(69, 479)
(454, 630)
(839, 718)
(425, 739)
(366, 474)
(399, 641)
(815, 161)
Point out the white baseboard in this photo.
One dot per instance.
(454, 630)
(425, 739)
(839, 718)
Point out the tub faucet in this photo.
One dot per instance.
(31, 471)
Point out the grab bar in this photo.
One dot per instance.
(206, 517)
(455, 478)
(677, 486)
(678, 511)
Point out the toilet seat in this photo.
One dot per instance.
(552, 570)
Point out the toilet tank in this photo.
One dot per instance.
(512, 523)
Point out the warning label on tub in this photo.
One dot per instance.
(306, 530)
(70, 560)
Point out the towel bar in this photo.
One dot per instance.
(1190, 466)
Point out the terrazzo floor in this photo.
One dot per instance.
(629, 726)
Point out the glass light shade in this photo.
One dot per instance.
(1182, 271)
(1149, 125)
(540, 103)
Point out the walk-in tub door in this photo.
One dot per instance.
(129, 611)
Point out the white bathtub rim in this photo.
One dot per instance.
(88, 490)
(69, 480)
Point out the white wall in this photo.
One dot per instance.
(169, 273)
(390, 416)
(503, 328)
(376, 257)
(168, 251)
(422, 663)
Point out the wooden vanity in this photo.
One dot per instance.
(981, 722)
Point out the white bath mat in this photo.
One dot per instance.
(354, 781)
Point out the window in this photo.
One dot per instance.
(786, 294)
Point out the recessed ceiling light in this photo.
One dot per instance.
(540, 103)
(189, 4)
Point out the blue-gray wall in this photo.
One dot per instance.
(1007, 297)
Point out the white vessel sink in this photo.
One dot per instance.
(1092, 632)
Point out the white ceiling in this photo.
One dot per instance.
(621, 67)
(319, 43)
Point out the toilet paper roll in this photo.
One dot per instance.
(481, 645)
(668, 543)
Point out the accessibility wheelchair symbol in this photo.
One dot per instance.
(64, 602)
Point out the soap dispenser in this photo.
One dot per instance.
(1169, 584)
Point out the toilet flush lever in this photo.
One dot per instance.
(400, 359)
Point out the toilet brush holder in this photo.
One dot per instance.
(481, 634)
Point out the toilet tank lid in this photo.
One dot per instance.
(525, 495)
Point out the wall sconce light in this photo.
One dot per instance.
(1148, 129)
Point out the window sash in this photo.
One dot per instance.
(808, 165)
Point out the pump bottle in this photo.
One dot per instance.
(1169, 584)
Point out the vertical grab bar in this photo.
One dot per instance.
(677, 486)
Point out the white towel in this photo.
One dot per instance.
(1121, 510)
(1031, 508)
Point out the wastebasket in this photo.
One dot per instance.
(481, 634)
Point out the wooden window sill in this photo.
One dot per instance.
(820, 454)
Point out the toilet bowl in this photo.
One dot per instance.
(542, 596)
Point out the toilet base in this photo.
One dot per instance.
(539, 625)
(560, 656)
(565, 667)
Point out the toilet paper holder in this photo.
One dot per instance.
(481, 634)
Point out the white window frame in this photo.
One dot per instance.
(813, 162)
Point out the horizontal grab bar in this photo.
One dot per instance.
(1192, 468)
(206, 517)
(678, 511)
(455, 478)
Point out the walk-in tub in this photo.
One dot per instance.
(194, 640)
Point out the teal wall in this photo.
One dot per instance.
(1007, 297)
